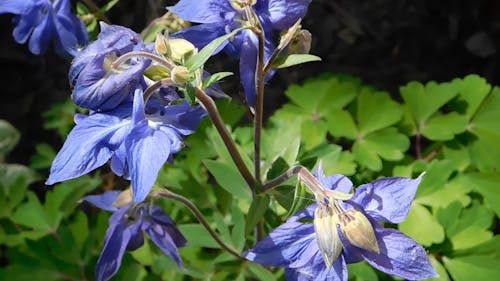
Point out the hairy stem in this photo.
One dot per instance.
(135, 54)
(199, 216)
(211, 108)
(96, 11)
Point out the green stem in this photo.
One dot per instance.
(96, 11)
(211, 108)
(199, 216)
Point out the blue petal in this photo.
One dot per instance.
(336, 182)
(388, 199)
(71, 32)
(284, 13)
(117, 239)
(162, 230)
(316, 270)
(182, 117)
(400, 255)
(201, 35)
(248, 65)
(100, 89)
(147, 150)
(202, 11)
(15, 6)
(89, 145)
(291, 244)
(42, 33)
(104, 201)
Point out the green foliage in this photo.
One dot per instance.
(449, 130)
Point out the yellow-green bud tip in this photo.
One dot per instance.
(325, 226)
(124, 198)
(181, 49)
(179, 74)
(359, 231)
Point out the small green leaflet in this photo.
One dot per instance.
(295, 59)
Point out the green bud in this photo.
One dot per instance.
(325, 226)
(358, 230)
(181, 49)
(179, 74)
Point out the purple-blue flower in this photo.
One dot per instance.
(126, 231)
(137, 138)
(44, 21)
(220, 17)
(346, 232)
(98, 86)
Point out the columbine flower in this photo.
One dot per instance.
(137, 139)
(346, 232)
(43, 21)
(219, 17)
(126, 232)
(97, 86)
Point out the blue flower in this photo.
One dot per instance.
(219, 17)
(96, 85)
(43, 21)
(126, 232)
(346, 232)
(137, 138)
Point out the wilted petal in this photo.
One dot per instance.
(400, 256)
(202, 11)
(104, 201)
(291, 244)
(388, 198)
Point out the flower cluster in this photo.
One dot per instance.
(126, 230)
(45, 21)
(137, 133)
(219, 17)
(347, 231)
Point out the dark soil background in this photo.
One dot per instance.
(384, 42)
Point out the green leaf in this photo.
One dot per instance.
(484, 151)
(445, 127)
(362, 271)
(423, 101)
(199, 59)
(144, 255)
(478, 268)
(260, 272)
(487, 116)
(238, 231)
(31, 214)
(486, 185)
(259, 206)
(454, 190)
(44, 156)
(229, 178)
(440, 269)
(341, 124)
(473, 89)
(215, 77)
(432, 233)
(197, 236)
(295, 59)
(376, 110)
(388, 144)
(9, 136)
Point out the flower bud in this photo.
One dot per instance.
(359, 231)
(325, 226)
(161, 44)
(181, 49)
(179, 74)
